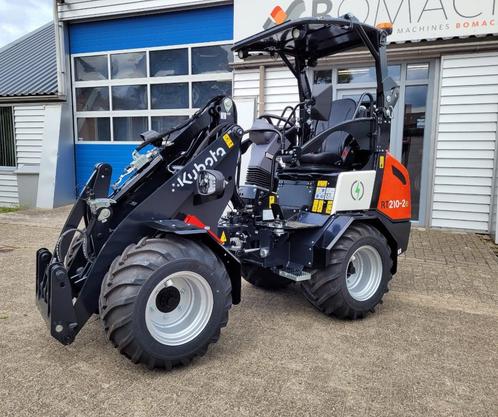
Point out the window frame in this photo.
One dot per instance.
(148, 81)
(10, 168)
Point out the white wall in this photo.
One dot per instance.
(80, 9)
(280, 90)
(246, 84)
(29, 122)
(466, 141)
(8, 188)
(280, 87)
(56, 186)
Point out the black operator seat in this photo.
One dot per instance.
(333, 147)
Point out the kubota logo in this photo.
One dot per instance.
(188, 177)
(357, 190)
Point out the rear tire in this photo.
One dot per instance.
(357, 277)
(263, 278)
(164, 301)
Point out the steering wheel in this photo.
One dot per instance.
(287, 123)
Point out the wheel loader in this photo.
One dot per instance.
(159, 254)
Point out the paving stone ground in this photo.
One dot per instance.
(429, 350)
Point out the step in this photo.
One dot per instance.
(295, 275)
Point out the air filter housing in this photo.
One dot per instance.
(266, 143)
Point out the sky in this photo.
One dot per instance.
(18, 17)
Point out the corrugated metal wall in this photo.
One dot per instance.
(466, 141)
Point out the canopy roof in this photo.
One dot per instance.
(319, 37)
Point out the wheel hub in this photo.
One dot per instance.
(364, 273)
(168, 299)
(179, 308)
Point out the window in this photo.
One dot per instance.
(128, 65)
(129, 128)
(211, 59)
(7, 139)
(163, 123)
(118, 95)
(92, 99)
(90, 68)
(129, 97)
(417, 72)
(169, 62)
(203, 91)
(364, 75)
(94, 128)
(169, 96)
(323, 77)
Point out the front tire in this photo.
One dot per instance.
(164, 301)
(357, 277)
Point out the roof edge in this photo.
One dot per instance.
(32, 99)
(27, 35)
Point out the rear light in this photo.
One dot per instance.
(388, 26)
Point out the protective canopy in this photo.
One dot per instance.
(317, 37)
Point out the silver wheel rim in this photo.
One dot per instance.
(364, 273)
(179, 308)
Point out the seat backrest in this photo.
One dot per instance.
(341, 111)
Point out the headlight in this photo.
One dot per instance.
(297, 33)
(210, 182)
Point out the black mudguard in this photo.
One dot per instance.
(396, 233)
(231, 263)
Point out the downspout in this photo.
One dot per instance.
(59, 48)
(262, 79)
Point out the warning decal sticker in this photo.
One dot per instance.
(324, 198)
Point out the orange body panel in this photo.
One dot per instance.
(394, 198)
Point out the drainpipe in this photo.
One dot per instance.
(261, 105)
(59, 48)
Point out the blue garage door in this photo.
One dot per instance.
(145, 72)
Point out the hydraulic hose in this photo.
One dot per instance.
(63, 235)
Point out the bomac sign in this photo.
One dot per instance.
(413, 20)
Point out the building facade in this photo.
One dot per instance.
(31, 110)
(130, 66)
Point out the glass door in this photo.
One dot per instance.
(410, 134)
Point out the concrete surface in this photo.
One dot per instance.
(429, 350)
